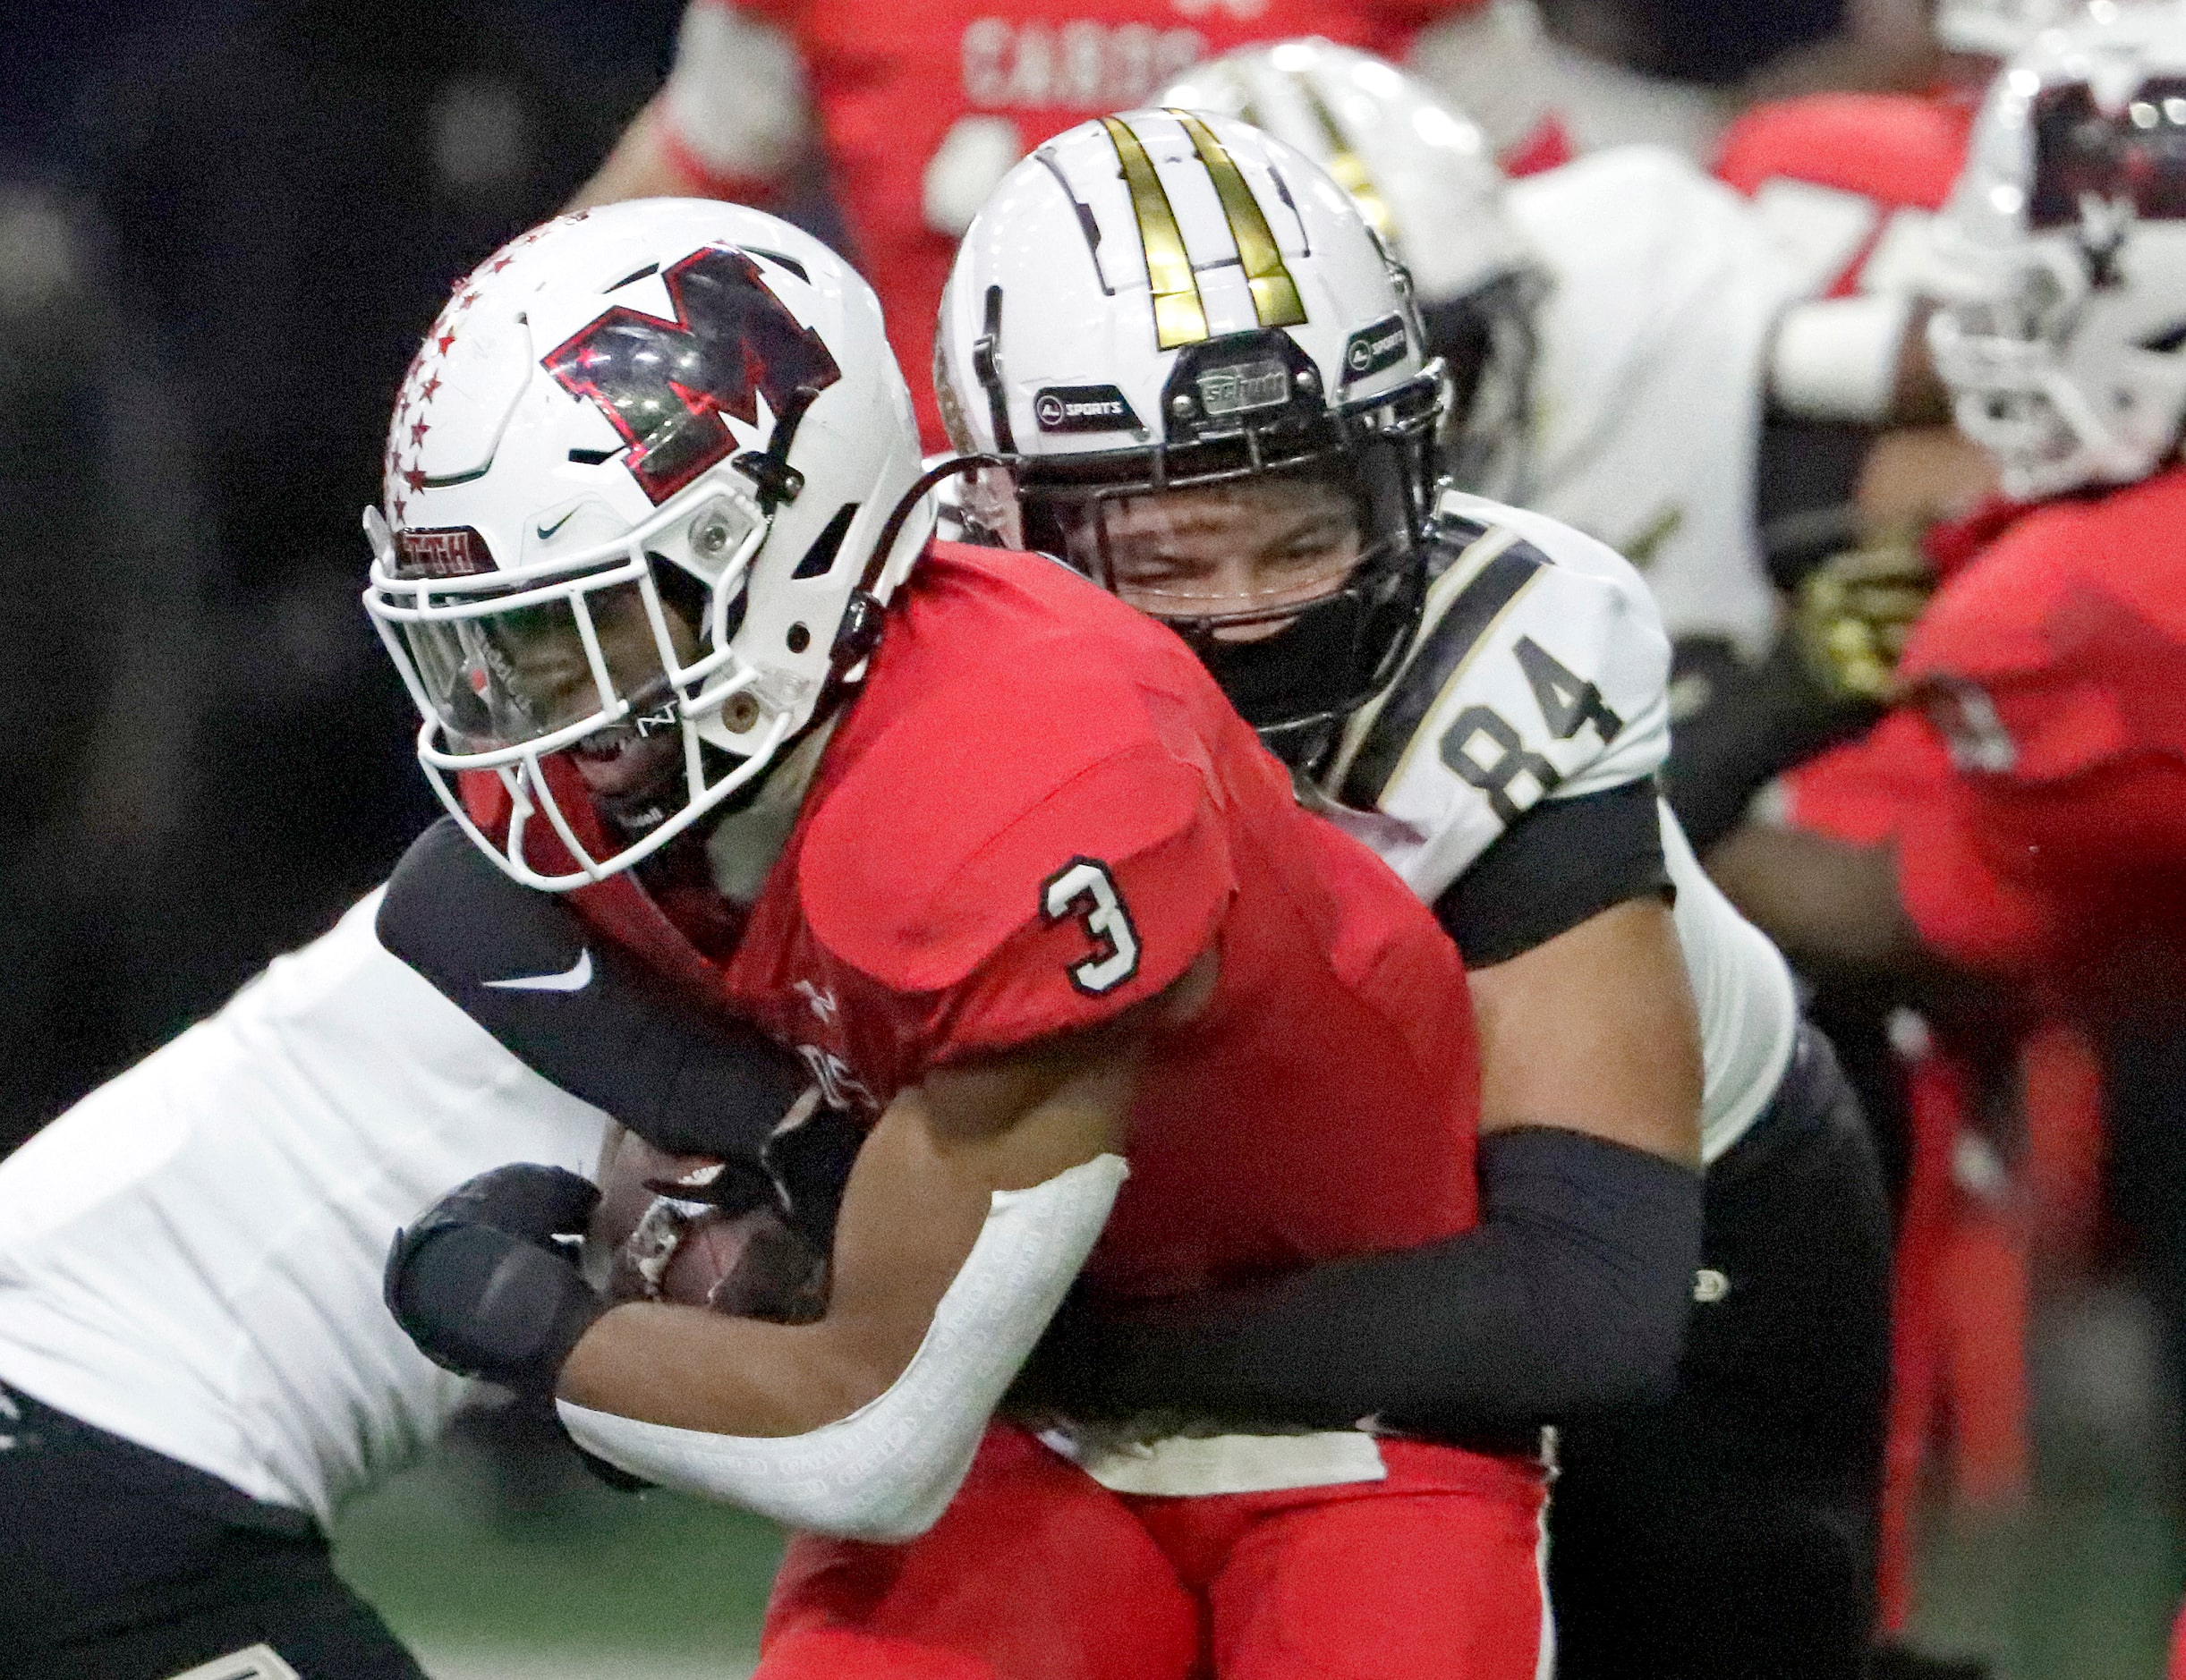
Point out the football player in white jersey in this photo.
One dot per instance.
(196, 1369)
(1623, 321)
(1505, 771)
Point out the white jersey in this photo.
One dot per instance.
(1542, 673)
(190, 1257)
(1664, 290)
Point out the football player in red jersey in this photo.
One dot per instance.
(919, 114)
(2039, 838)
(1853, 182)
(1014, 880)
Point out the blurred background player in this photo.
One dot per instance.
(2028, 848)
(1533, 828)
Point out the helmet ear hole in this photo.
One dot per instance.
(689, 598)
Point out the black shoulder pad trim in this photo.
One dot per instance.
(1441, 651)
(580, 1014)
(1565, 862)
(457, 919)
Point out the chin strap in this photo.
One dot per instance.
(865, 615)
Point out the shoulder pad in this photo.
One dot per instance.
(1541, 670)
(1898, 148)
(1045, 847)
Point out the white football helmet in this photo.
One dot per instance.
(2064, 341)
(1425, 179)
(646, 483)
(1160, 302)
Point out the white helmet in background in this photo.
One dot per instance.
(1425, 179)
(1999, 29)
(643, 495)
(2064, 340)
(1162, 302)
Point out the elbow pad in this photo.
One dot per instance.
(888, 1471)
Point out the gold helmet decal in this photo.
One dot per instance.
(1179, 315)
(1345, 166)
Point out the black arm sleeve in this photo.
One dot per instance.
(1565, 861)
(1806, 493)
(1743, 725)
(1569, 1298)
(684, 1084)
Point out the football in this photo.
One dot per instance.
(691, 1230)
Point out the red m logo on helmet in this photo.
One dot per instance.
(666, 386)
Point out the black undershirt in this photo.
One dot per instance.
(1565, 862)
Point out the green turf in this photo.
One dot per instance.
(535, 1560)
(548, 1561)
(2073, 1588)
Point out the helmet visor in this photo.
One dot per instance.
(1296, 589)
(2084, 155)
(505, 672)
(1255, 552)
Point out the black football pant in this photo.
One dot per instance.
(1729, 1534)
(117, 1563)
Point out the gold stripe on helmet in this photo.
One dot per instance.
(1275, 294)
(1344, 165)
(1179, 317)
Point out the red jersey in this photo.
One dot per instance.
(909, 104)
(1038, 810)
(1851, 178)
(2054, 669)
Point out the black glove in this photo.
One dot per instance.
(481, 1284)
(810, 1164)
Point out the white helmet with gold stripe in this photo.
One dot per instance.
(1425, 179)
(1164, 320)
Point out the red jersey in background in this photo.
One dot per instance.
(2053, 670)
(1851, 181)
(921, 108)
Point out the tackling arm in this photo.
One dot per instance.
(1570, 1296)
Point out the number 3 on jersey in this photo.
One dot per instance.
(1084, 888)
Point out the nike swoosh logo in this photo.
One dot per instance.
(578, 976)
(546, 532)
